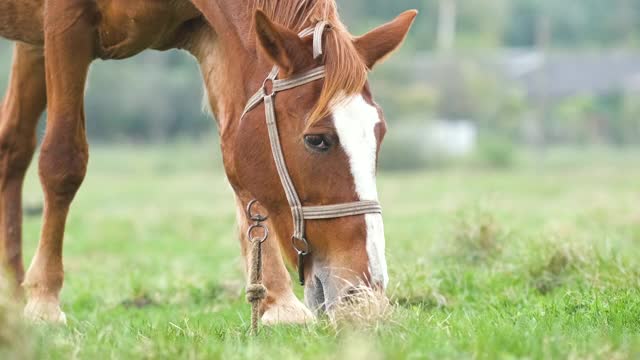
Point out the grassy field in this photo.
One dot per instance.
(542, 261)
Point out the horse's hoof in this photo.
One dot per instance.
(44, 311)
(289, 311)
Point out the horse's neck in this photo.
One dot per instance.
(227, 56)
(230, 18)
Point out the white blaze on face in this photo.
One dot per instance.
(355, 121)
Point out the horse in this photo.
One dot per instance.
(329, 131)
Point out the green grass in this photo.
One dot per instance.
(539, 262)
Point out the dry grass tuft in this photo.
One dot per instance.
(363, 309)
(416, 286)
(477, 238)
(14, 340)
(556, 271)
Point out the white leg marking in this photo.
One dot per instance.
(355, 122)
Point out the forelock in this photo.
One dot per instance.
(346, 71)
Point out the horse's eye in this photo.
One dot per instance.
(317, 142)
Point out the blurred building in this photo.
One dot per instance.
(455, 138)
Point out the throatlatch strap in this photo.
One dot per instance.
(317, 32)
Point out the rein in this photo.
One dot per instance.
(299, 212)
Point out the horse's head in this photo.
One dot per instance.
(330, 131)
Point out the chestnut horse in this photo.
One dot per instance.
(330, 129)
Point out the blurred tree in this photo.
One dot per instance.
(573, 117)
(447, 17)
(630, 119)
(156, 97)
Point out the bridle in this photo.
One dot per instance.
(299, 212)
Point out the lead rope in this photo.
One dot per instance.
(256, 291)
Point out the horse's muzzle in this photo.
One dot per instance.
(314, 295)
(324, 290)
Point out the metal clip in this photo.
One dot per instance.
(302, 252)
(258, 220)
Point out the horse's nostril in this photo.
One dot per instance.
(314, 295)
(352, 294)
(352, 291)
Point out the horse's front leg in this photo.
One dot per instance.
(23, 104)
(69, 49)
(281, 306)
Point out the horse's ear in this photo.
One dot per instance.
(380, 42)
(281, 45)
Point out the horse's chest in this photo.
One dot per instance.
(21, 20)
(128, 27)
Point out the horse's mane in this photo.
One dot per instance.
(346, 72)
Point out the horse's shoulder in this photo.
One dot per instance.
(128, 27)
